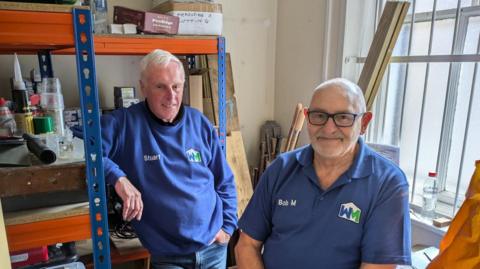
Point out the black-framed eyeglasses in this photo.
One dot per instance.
(342, 119)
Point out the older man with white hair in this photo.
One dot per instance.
(165, 162)
(334, 203)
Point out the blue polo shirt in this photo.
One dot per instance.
(362, 217)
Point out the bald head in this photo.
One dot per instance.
(350, 91)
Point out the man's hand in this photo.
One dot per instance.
(221, 237)
(131, 197)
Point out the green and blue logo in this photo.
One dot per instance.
(350, 211)
(193, 156)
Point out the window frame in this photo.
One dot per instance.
(461, 15)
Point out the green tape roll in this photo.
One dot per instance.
(43, 125)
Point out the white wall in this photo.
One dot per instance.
(249, 28)
(308, 51)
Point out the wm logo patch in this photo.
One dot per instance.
(193, 156)
(350, 211)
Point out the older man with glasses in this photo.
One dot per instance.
(334, 203)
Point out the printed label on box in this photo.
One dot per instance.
(199, 23)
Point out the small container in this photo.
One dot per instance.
(24, 123)
(58, 122)
(51, 101)
(43, 125)
(430, 196)
(50, 85)
(8, 127)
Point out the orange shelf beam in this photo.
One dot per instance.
(26, 32)
(29, 30)
(48, 232)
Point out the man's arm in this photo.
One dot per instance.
(248, 253)
(386, 237)
(377, 266)
(225, 188)
(112, 137)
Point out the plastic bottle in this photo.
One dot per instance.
(430, 195)
(8, 126)
(66, 146)
(99, 10)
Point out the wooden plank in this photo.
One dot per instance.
(4, 253)
(42, 178)
(196, 97)
(381, 49)
(231, 102)
(237, 160)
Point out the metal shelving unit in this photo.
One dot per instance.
(45, 29)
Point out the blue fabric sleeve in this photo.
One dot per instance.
(256, 220)
(224, 184)
(109, 145)
(111, 135)
(386, 237)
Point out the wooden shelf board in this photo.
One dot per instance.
(42, 178)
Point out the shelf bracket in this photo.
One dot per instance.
(45, 63)
(87, 86)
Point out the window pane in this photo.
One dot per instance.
(473, 32)
(401, 47)
(447, 4)
(393, 106)
(443, 36)
(470, 3)
(432, 121)
(413, 102)
(427, 5)
(420, 38)
(472, 148)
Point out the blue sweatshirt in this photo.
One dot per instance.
(187, 187)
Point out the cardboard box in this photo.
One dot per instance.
(195, 18)
(147, 22)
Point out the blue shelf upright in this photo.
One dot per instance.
(87, 85)
(222, 94)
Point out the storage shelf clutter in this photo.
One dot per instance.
(61, 30)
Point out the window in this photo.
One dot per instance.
(429, 101)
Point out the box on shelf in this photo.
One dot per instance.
(195, 18)
(147, 22)
(28, 257)
(72, 116)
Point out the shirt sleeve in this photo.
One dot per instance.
(224, 184)
(386, 238)
(111, 135)
(256, 220)
(110, 130)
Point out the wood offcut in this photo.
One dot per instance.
(381, 49)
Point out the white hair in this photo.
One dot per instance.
(350, 88)
(161, 58)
